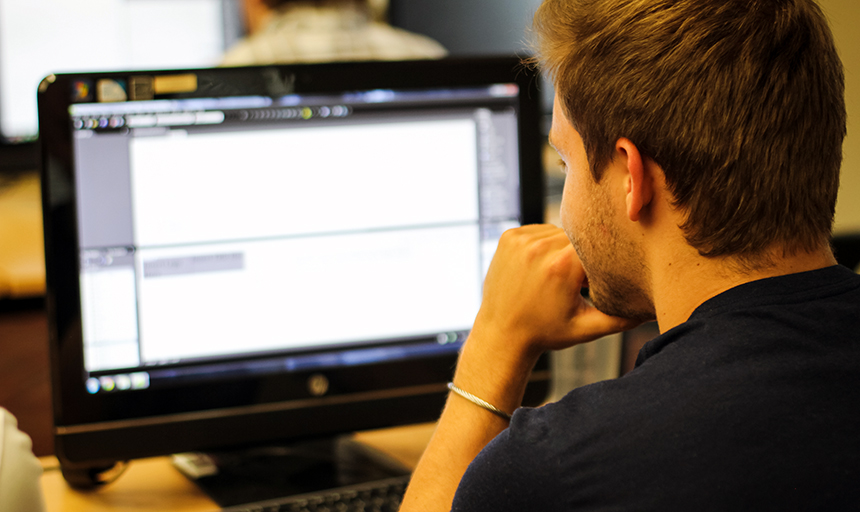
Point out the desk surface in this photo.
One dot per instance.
(155, 485)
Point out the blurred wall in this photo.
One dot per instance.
(472, 27)
(844, 16)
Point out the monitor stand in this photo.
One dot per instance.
(256, 474)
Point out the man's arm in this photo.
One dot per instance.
(531, 304)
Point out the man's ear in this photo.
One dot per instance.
(638, 181)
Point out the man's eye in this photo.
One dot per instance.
(561, 164)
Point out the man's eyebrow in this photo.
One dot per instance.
(549, 139)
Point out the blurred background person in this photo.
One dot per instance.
(285, 31)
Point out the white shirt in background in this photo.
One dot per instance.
(310, 33)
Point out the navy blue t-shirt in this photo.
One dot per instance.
(752, 404)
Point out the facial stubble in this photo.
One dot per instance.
(614, 265)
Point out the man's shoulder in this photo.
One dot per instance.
(751, 425)
(817, 288)
(518, 469)
(733, 399)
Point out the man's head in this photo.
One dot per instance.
(739, 102)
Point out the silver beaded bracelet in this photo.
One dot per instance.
(479, 402)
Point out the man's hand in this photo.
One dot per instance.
(531, 304)
(532, 295)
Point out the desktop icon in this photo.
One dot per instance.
(340, 111)
(107, 383)
(141, 88)
(123, 382)
(93, 385)
(447, 337)
(82, 91)
(139, 380)
(109, 90)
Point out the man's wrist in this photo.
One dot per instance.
(480, 402)
(495, 372)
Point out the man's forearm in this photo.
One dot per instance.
(531, 304)
(465, 428)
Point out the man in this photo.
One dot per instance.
(287, 31)
(702, 144)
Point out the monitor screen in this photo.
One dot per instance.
(39, 37)
(246, 255)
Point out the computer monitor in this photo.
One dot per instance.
(38, 37)
(241, 256)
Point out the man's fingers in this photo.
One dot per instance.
(590, 324)
(540, 233)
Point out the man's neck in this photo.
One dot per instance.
(686, 280)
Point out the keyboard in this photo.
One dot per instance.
(379, 496)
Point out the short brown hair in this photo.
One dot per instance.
(740, 102)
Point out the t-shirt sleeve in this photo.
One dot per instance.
(514, 472)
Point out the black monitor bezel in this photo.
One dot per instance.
(95, 429)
